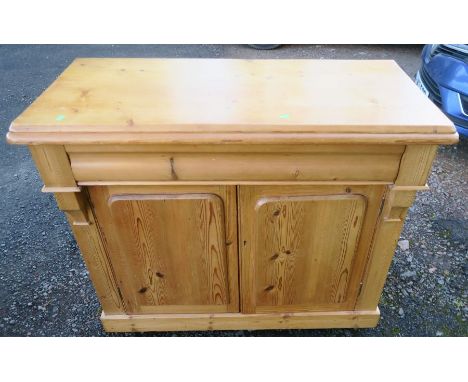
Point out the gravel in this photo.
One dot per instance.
(44, 285)
(404, 245)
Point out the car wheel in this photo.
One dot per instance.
(264, 46)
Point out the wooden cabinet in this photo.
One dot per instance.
(234, 194)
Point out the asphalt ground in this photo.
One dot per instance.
(45, 288)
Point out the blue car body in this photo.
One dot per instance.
(444, 76)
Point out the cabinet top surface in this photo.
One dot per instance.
(225, 96)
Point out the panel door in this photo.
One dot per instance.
(172, 249)
(304, 248)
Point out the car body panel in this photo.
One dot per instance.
(451, 76)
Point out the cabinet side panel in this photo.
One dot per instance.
(415, 165)
(383, 249)
(412, 176)
(53, 165)
(100, 269)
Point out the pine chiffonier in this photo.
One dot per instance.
(211, 194)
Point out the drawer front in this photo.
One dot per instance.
(378, 164)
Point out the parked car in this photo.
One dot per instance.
(443, 77)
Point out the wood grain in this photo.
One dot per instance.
(382, 251)
(232, 183)
(414, 170)
(332, 166)
(238, 321)
(226, 95)
(237, 148)
(387, 232)
(304, 248)
(227, 139)
(99, 265)
(53, 165)
(169, 248)
(416, 165)
(234, 194)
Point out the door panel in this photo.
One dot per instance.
(172, 248)
(304, 248)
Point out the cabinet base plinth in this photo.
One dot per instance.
(239, 321)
